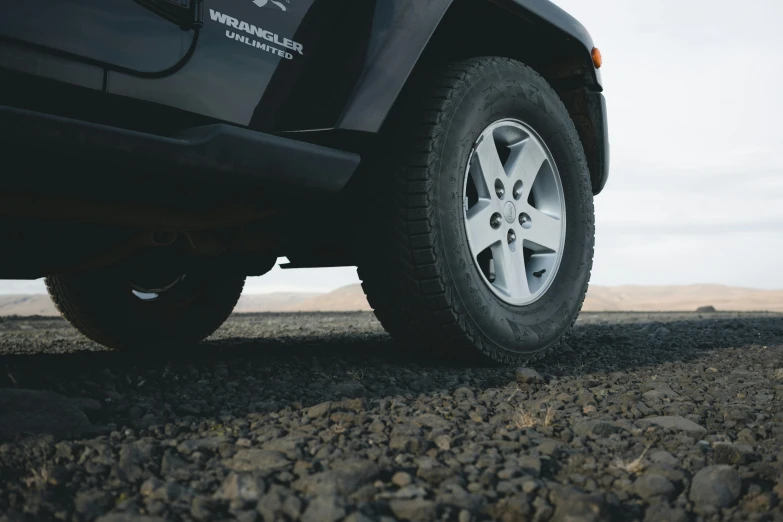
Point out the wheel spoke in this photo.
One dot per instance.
(544, 232)
(480, 232)
(527, 164)
(489, 160)
(510, 270)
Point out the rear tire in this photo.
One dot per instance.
(426, 286)
(102, 305)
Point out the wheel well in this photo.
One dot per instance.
(472, 28)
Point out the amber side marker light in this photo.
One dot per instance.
(598, 60)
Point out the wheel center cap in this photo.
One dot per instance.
(509, 212)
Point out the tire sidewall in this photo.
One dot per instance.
(510, 91)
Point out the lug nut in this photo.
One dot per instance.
(500, 190)
(517, 193)
(525, 220)
(495, 220)
(512, 236)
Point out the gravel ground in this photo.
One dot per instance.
(319, 418)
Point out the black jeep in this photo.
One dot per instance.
(155, 153)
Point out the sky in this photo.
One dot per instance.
(695, 193)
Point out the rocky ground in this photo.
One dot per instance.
(317, 417)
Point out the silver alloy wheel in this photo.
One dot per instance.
(514, 211)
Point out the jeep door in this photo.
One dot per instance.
(147, 37)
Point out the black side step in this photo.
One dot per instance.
(63, 156)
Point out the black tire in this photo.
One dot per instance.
(101, 305)
(417, 271)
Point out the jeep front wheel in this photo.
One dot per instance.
(486, 218)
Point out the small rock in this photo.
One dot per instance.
(357, 516)
(349, 389)
(90, 504)
(511, 509)
(401, 479)
(40, 412)
(247, 516)
(292, 507)
(737, 454)
(201, 509)
(319, 410)
(324, 508)
(168, 492)
(415, 510)
(128, 517)
(662, 512)
(528, 377)
(410, 491)
(715, 486)
(431, 420)
(271, 505)
(673, 422)
(458, 497)
(133, 460)
(345, 478)
(206, 444)
(464, 393)
(173, 466)
(549, 447)
(595, 428)
(706, 309)
(574, 506)
(746, 436)
(663, 457)
(187, 408)
(241, 486)
(651, 485)
(292, 446)
(257, 459)
(443, 442)
(531, 464)
(661, 331)
(150, 485)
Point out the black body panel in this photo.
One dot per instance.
(229, 76)
(289, 65)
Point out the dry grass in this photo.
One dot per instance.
(10, 376)
(523, 418)
(634, 466)
(38, 479)
(550, 416)
(513, 393)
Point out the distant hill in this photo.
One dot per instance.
(346, 299)
(31, 304)
(607, 299)
(276, 302)
(681, 298)
(599, 299)
(40, 304)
